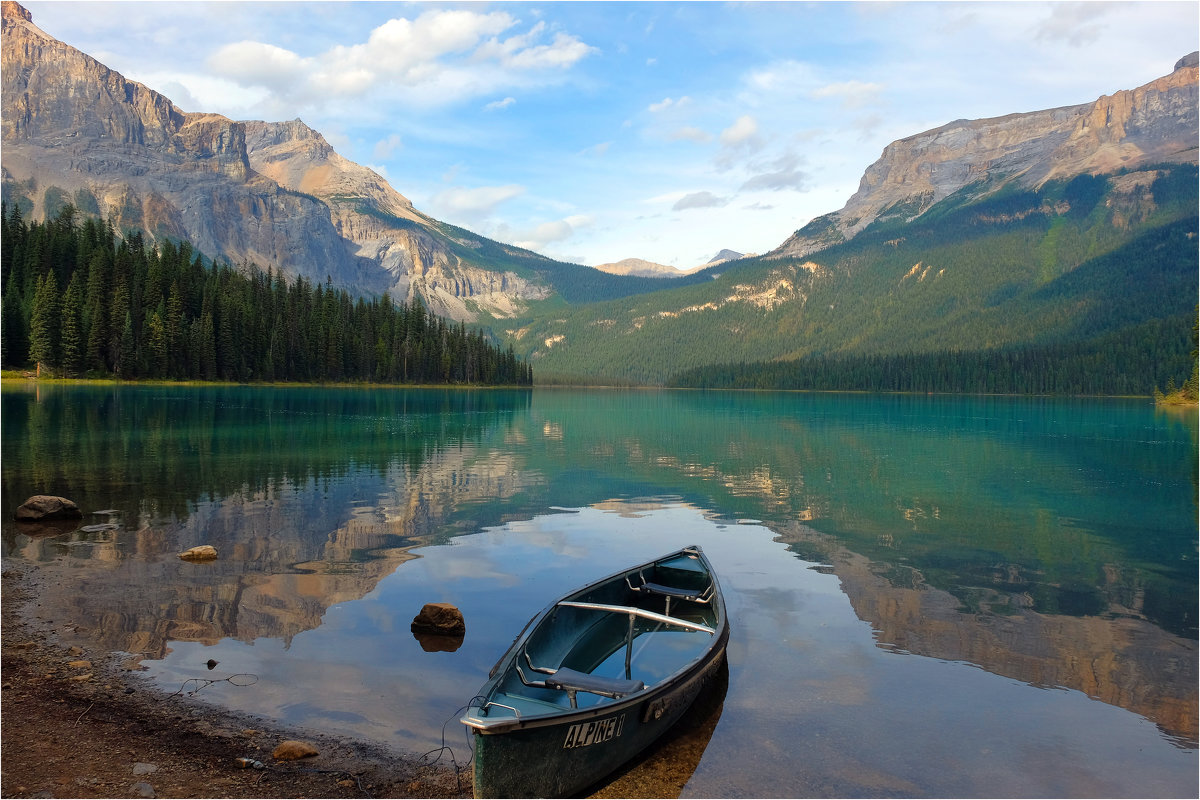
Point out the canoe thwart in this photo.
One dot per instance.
(639, 612)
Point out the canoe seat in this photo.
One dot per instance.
(671, 591)
(572, 681)
(569, 679)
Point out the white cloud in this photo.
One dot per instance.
(474, 203)
(691, 134)
(386, 148)
(667, 102)
(699, 200)
(551, 232)
(257, 64)
(597, 149)
(496, 105)
(788, 177)
(1074, 23)
(853, 94)
(441, 56)
(564, 51)
(743, 131)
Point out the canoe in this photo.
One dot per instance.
(597, 677)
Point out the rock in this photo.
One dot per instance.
(143, 789)
(203, 552)
(81, 664)
(142, 768)
(45, 506)
(46, 528)
(437, 643)
(440, 618)
(293, 749)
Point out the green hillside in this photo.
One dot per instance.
(992, 266)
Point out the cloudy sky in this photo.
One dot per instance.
(593, 132)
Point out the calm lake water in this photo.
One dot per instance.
(928, 596)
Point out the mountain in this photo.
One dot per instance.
(1048, 229)
(1152, 124)
(641, 267)
(723, 256)
(271, 194)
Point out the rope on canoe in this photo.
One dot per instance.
(424, 760)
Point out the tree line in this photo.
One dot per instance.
(80, 300)
(1133, 361)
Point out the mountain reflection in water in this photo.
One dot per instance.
(1047, 542)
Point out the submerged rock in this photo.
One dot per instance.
(443, 619)
(293, 749)
(203, 552)
(46, 506)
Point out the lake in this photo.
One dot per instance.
(928, 596)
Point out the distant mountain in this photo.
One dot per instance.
(649, 269)
(723, 256)
(1044, 228)
(640, 267)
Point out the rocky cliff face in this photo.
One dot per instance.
(272, 194)
(1155, 123)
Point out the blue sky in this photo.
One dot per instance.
(593, 132)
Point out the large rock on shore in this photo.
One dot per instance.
(44, 506)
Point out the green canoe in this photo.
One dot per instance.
(596, 677)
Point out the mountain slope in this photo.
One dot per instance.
(271, 194)
(1042, 228)
(1152, 124)
(1072, 260)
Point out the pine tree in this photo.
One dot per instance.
(14, 328)
(44, 322)
(74, 342)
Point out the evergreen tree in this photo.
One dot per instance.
(44, 323)
(14, 328)
(73, 340)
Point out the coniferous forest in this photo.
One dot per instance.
(80, 300)
(1128, 362)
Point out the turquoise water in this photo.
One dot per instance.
(928, 596)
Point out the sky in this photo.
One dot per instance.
(592, 132)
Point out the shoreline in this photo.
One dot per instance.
(79, 723)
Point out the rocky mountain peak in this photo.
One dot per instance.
(1154, 123)
(13, 9)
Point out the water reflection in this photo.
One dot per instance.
(1049, 542)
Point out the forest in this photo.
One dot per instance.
(79, 300)
(1129, 362)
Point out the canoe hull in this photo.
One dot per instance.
(565, 759)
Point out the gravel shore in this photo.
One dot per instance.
(78, 724)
